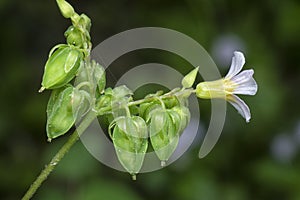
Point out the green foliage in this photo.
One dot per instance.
(240, 167)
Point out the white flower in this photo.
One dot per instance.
(235, 82)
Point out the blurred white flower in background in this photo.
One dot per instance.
(223, 48)
(284, 148)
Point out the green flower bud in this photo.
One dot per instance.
(62, 110)
(75, 37)
(61, 67)
(189, 79)
(102, 103)
(85, 22)
(65, 8)
(164, 133)
(130, 140)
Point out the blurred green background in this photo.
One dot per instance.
(259, 160)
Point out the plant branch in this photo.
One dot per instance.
(59, 155)
(79, 130)
(186, 92)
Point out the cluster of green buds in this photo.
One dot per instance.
(69, 101)
(158, 119)
(65, 60)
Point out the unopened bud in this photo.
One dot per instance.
(85, 22)
(189, 79)
(65, 8)
(74, 37)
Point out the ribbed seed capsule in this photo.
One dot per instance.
(61, 67)
(62, 110)
(164, 132)
(130, 140)
(185, 116)
(146, 108)
(102, 101)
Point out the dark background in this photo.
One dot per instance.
(259, 160)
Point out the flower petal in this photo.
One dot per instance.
(243, 76)
(241, 107)
(247, 88)
(237, 63)
(245, 83)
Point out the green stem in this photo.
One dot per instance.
(186, 92)
(59, 155)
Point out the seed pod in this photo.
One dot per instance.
(171, 102)
(75, 37)
(100, 78)
(185, 116)
(83, 22)
(175, 120)
(130, 140)
(146, 108)
(103, 101)
(61, 67)
(53, 99)
(164, 133)
(62, 110)
(82, 77)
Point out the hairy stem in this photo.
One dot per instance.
(59, 155)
